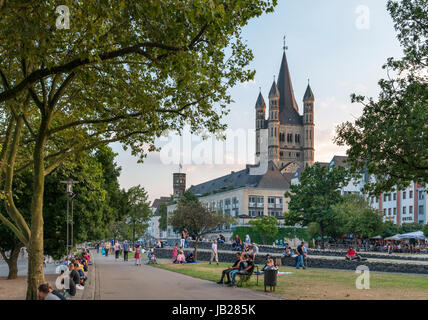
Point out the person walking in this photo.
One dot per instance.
(116, 250)
(125, 250)
(107, 248)
(214, 252)
(137, 256)
(300, 254)
(174, 253)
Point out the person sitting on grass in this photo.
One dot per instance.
(227, 272)
(189, 257)
(181, 258)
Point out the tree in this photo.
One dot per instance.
(163, 220)
(425, 229)
(389, 229)
(313, 198)
(137, 214)
(124, 72)
(359, 218)
(267, 227)
(390, 138)
(410, 227)
(197, 219)
(89, 206)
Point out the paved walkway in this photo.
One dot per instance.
(124, 281)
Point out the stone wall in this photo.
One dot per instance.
(263, 249)
(313, 262)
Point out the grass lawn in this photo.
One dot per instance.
(321, 284)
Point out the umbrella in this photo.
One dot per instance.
(396, 237)
(419, 235)
(377, 237)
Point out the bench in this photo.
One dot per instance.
(244, 278)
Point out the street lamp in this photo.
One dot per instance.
(70, 195)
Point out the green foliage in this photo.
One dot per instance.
(389, 229)
(283, 233)
(389, 138)
(425, 230)
(410, 227)
(357, 217)
(137, 213)
(266, 227)
(313, 198)
(163, 220)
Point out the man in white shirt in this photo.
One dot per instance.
(214, 252)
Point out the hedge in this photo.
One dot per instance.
(285, 232)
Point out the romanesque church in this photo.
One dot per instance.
(289, 135)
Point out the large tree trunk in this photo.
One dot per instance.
(12, 261)
(195, 251)
(35, 257)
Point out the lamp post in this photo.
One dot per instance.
(70, 195)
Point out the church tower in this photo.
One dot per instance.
(308, 116)
(273, 125)
(260, 121)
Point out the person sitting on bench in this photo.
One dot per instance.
(248, 270)
(230, 269)
(270, 265)
(267, 263)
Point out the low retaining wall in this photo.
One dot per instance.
(313, 262)
(263, 249)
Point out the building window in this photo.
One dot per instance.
(260, 213)
(260, 202)
(410, 209)
(271, 202)
(410, 194)
(404, 210)
(389, 211)
(252, 213)
(404, 194)
(421, 195)
(395, 196)
(421, 210)
(384, 197)
(297, 138)
(252, 200)
(290, 137)
(395, 211)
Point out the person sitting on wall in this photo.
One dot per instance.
(237, 244)
(352, 255)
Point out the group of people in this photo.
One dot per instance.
(299, 254)
(239, 245)
(244, 265)
(180, 257)
(76, 267)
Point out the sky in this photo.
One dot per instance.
(339, 45)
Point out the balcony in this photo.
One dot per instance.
(260, 205)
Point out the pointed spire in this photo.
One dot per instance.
(309, 95)
(274, 92)
(260, 101)
(285, 86)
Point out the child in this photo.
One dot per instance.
(137, 256)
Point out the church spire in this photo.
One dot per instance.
(285, 87)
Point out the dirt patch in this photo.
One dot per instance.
(16, 289)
